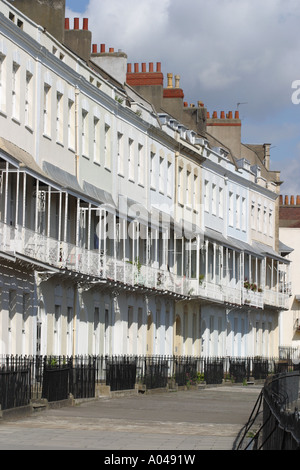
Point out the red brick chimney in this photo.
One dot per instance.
(289, 211)
(142, 77)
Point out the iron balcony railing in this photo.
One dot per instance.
(63, 255)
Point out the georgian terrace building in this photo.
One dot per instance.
(87, 204)
(238, 278)
(116, 234)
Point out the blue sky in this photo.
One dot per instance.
(226, 52)
(77, 5)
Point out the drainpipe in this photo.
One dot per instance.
(77, 132)
(74, 320)
(175, 209)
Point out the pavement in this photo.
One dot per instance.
(209, 418)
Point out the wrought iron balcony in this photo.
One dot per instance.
(66, 256)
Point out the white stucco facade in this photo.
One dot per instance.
(290, 319)
(122, 231)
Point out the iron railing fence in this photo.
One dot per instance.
(290, 353)
(14, 388)
(121, 372)
(82, 377)
(281, 412)
(55, 384)
(23, 378)
(274, 423)
(185, 370)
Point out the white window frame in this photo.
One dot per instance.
(3, 81)
(131, 159)
(141, 174)
(120, 152)
(47, 110)
(71, 124)
(206, 195)
(59, 117)
(15, 90)
(29, 100)
(107, 146)
(96, 139)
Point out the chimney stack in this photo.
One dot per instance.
(79, 40)
(113, 63)
(227, 129)
(267, 156)
(50, 14)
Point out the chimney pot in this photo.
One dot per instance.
(170, 79)
(281, 199)
(230, 115)
(237, 115)
(102, 48)
(222, 115)
(158, 67)
(151, 67)
(95, 48)
(76, 23)
(177, 81)
(144, 67)
(67, 23)
(136, 68)
(208, 115)
(85, 24)
(292, 201)
(298, 201)
(129, 68)
(286, 200)
(215, 115)
(111, 49)
(185, 104)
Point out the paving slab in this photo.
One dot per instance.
(205, 419)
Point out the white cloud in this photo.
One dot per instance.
(130, 25)
(235, 47)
